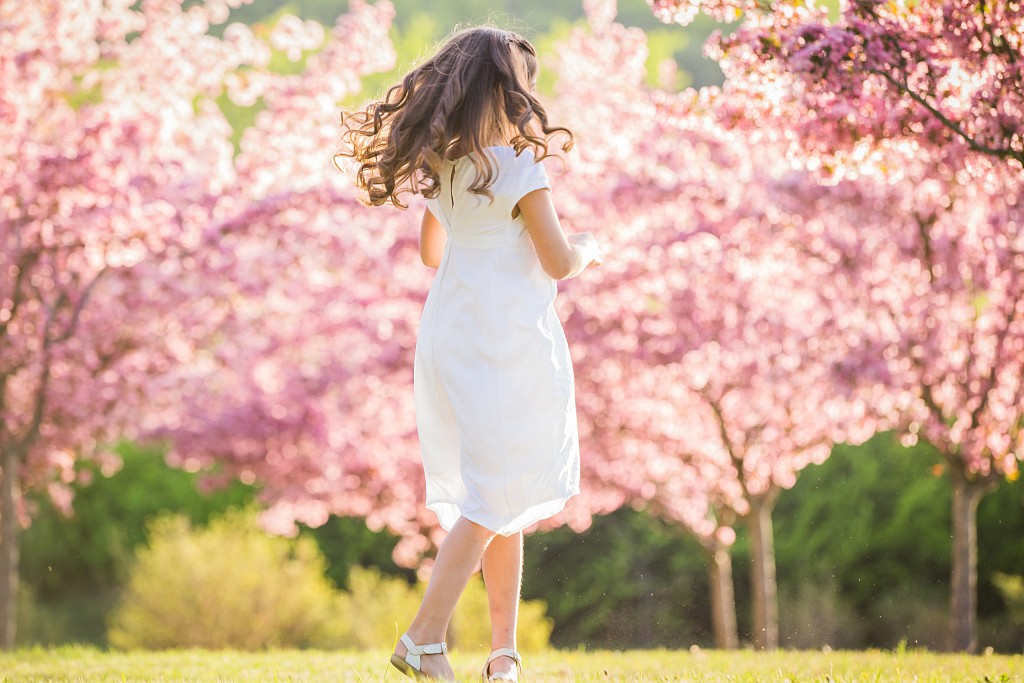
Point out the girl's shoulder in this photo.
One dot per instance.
(511, 166)
(518, 174)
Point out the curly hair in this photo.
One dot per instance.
(475, 90)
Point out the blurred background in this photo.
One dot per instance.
(862, 541)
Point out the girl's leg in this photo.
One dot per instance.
(502, 567)
(456, 561)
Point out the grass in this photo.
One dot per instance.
(89, 664)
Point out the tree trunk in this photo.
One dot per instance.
(967, 493)
(9, 540)
(723, 600)
(762, 575)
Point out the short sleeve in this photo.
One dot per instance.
(527, 175)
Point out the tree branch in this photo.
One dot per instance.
(990, 381)
(77, 312)
(29, 259)
(1002, 153)
(923, 230)
(737, 461)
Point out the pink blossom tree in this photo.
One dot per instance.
(119, 181)
(933, 278)
(707, 365)
(926, 97)
(307, 387)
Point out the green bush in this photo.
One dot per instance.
(229, 585)
(72, 566)
(346, 542)
(374, 608)
(89, 551)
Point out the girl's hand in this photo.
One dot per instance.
(590, 249)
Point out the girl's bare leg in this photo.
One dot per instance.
(456, 561)
(503, 575)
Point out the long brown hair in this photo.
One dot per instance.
(477, 88)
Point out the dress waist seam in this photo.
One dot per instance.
(520, 241)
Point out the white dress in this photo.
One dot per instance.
(495, 406)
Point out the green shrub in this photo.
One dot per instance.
(374, 608)
(90, 551)
(229, 585)
(347, 542)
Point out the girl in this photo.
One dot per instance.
(493, 381)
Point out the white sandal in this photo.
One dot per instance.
(410, 666)
(503, 676)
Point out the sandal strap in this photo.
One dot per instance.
(428, 649)
(506, 652)
(504, 676)
(412, 656)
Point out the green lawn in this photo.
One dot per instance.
(87, 664)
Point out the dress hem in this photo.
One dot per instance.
(546, 509)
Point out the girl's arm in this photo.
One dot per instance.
(560, 257)
(432, 240)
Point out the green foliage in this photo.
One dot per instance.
(514, 13)
(374, 608)
(628, 580)
(187, 588)
(91, 549)
(76, 617)
(1011, 587)
(666, 44)
(1000, 522)
(72, 566)
(347, 544)
(876, 518)
(874, 521)
(863, 552)
(862, 543)
(546, 45)
(239, 118)
(228, 585)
